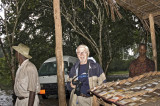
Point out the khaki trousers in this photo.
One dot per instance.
(24, 102)
(83, 101)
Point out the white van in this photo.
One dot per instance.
(48, 75)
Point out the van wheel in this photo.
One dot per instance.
(45, 96)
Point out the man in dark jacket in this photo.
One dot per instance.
(88, 73)
(142, 64)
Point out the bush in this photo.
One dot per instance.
(5, 76)
(118, 65)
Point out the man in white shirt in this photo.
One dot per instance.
(27, 83)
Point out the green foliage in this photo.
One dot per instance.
(35, 28)
(5, 76)
(116, 36)
(119, 65)
(117, 73)
(1, 53)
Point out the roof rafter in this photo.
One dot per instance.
(142, 8)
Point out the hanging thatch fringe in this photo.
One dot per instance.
(112, 13)
(106, 7)
(142, 9)
(112, 6)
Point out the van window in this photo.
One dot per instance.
(70, 64)
(50, 68)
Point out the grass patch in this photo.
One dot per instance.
(118, 72)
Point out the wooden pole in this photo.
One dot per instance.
(59, 53)
(153, 39)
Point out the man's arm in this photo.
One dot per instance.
(31, 98)
(70, 86)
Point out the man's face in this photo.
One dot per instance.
(82, 55)
(142, 50)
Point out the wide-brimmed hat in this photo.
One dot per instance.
(23, 49)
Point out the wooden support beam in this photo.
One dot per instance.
(59, 53)
(153, 39)
(95, 102)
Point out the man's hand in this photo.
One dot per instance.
(31, 98)
(73, 86)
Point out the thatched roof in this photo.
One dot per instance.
(142, 9)
(139, 90)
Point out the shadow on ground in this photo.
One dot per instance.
(51, 101)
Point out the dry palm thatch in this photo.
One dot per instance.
(142, 9)
(111, 8)
(131, 90)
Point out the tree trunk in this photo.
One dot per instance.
(107, 65)
(100, 59)
(10, 65)
(5, 54)
(59, 53)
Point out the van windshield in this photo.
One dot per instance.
(50, 68)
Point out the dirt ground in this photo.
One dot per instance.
(51, 101)
(7, 100)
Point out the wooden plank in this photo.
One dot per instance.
(153, 39)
